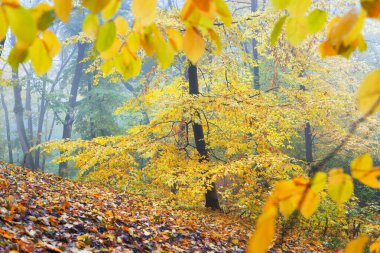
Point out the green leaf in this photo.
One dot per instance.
(106, 36)
(91, 25)
(316, 19)
(276, 32)
(110, 10)
(22, 24)
(340, 186)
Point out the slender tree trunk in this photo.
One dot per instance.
(199, 138)
(28, 109)
(308, 143)
(7, 126)
(255, 53)
(6, 114)
(69, 119)
(41, 118)
(19, 113)
(48, 138)
(308, 140)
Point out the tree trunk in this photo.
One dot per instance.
(6, 114)
(41, 118)
(255, 53)
(19, 113)
(211, 195)
(7, 126)
(28, 109)
(69, 119)
(308, 143)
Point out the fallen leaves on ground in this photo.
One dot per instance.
(41, 212)
(44, 213)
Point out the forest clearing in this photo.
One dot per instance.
(190, 126)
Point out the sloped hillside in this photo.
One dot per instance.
(44, 213)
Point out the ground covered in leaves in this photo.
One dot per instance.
(44, 213)
(41, 212)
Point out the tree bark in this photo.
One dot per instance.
(7, 126)
(211, 195)
(41, 118)
(308, 143)
(19, 113)
(69, 119)
(255, 53)
(28, 109)
(6, 114)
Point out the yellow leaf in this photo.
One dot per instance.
(106, 36)
(316, 19)
(265, 230)
(112, 51)
(12, 3)
(375, 247)
(224, 12)
(122, 27)
(3, 24)
(107, 67)
(215, 38)
(17, 55)
(91, 26)
(41, 60)
(340, 186)
(175, 38)
(44, 15)
(288, 197)
(133, 42)
(318, 182)
(51, 43)
(357, 245)
(280, 4)
(95, 6)
(165, 53)
(368, 96)
(296, 30)
(326, 49)
(298, 8)
(110, 10)
(144, 11)
(63, 9)
(22, 24)
(204, 5)
(309, 204)
(373, 8)
(193, 45)
(362, 169)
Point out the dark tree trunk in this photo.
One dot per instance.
(19, 113)
(308, 140)
(69, 119)
(255, 53)
(211, 195)
(7, 126)
(6, 114)
(308, 143)
(28, 109)
(41, 118)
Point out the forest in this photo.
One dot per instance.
(190, 126)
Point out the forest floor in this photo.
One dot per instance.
(44, 213)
